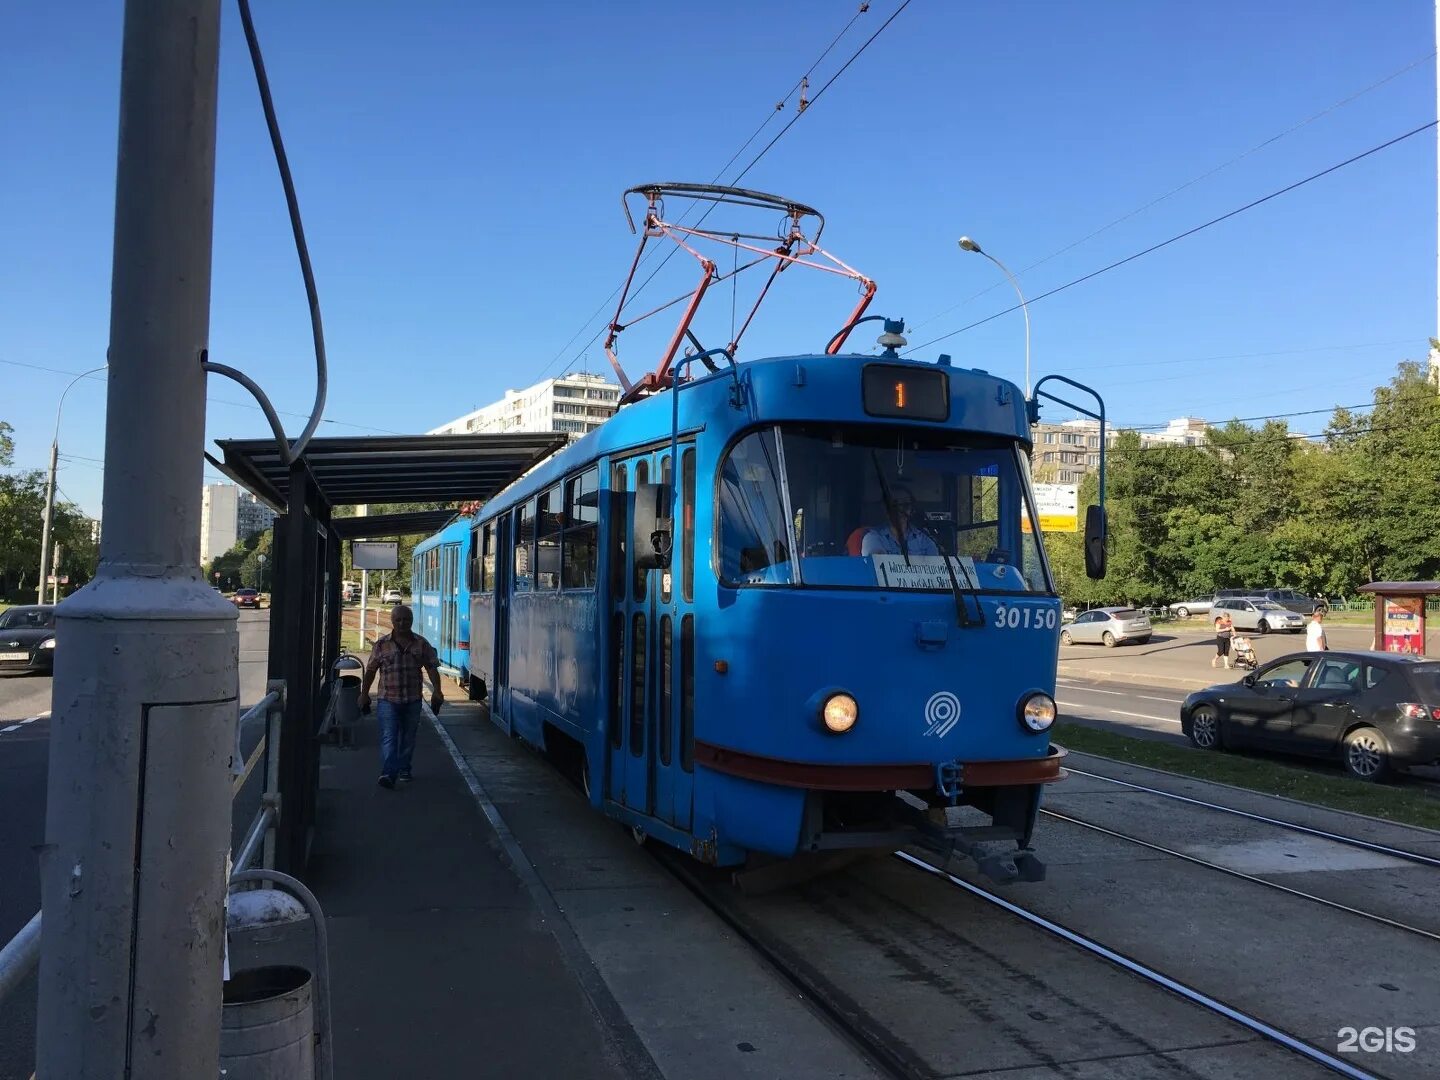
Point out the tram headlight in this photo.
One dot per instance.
(839, 713)
(1037, 713)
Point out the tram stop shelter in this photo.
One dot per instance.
(1400, 614)
(305, 612)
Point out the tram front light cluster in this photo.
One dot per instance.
(1037, 713)
(839, 713)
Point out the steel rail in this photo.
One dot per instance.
(1189, 993)
(1196, 860)
(1367, 845)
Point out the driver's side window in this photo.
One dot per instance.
(1289, 674)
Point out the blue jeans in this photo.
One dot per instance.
(398, 724)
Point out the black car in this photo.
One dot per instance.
(27, 639)
(1373, 711)
(247, 598)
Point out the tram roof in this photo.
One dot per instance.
(391, 468)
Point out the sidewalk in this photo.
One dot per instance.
(441, 964)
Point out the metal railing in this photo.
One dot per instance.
(20, 956)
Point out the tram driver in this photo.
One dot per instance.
(898, 537)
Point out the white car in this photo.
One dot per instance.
(1260, 615)
(392, 596)
(1107, 626)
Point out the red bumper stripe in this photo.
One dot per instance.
(919, 775)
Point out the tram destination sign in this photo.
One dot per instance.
(907, 392)
(922, 571)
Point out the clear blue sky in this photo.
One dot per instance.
(459, 167)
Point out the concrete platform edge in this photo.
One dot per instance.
(632, 1056)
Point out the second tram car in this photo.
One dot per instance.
(439, 598)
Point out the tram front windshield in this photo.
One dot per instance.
(872, 507)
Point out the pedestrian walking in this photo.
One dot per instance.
(1315, 633)
(1224, 631)
(398, 658)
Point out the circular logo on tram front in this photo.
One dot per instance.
(942, 712)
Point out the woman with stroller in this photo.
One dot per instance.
(1224, 630)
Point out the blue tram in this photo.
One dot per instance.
(439, 598)
(793, 606)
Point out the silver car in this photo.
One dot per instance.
(1259, 615)
(1191, 607)
(1108, 626)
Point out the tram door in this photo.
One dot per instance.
(652, 655)
(449, 600)
(499, 691)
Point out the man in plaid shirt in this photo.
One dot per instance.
(398, 659)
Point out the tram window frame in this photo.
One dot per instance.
(619, 529)
(687, 692)
(667, 574)
(523, 569)
(487, 556)
(640, 575)
(665, 706)
(472, 561)
(617, 697)
(549, 529)
(687, 524)
(580, 548)
(639, 681)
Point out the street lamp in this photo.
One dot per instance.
(50, 487)
(966, 244)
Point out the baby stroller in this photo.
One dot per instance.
(1243, 653)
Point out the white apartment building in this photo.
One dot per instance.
(219, 515)
(575, 404)
(227, 516)
(1065, 452)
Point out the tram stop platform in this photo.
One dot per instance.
(441, 963)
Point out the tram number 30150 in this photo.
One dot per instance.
(1026, 617)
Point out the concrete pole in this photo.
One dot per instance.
(144, 696)
(45, 527)
(55, 572)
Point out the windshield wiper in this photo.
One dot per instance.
(962, 609)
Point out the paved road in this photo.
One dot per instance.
(24, 762)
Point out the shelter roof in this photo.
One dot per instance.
(391, 468)
(1402, 588)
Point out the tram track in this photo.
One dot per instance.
(1308, 830)
(1252, 1023)
(1195, 860)
(889, 1053)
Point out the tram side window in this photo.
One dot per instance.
(582, 525)
(687, 524)
(525, 548)
(487, 557)
(753, 537)
(551, 524)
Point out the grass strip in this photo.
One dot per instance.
(1390, 802)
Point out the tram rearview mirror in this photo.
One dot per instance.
(651, 527)
(1095, 536)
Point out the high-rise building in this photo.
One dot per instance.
(575, 404)
(218, 515)
(227, 516)
(1065, 452)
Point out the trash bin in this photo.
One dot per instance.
(347, 672)
(267, 1026)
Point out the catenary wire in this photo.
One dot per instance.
(1187, 233)
(754, 161)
